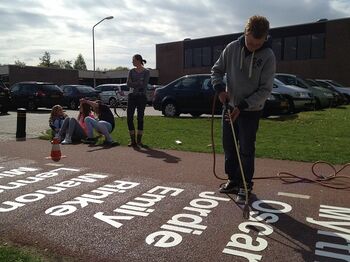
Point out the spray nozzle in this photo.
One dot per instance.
(226, 106)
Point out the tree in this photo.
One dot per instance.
(61, 63)
(121, 68)
(19, 63)
(79, 63)
(45, 60)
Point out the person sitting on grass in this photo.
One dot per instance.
(75, 129)
(56, 119)
(104, 124)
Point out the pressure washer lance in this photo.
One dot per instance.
(246, 204)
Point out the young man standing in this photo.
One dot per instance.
(249, 65)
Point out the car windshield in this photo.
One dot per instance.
(278, 82)
(311, 82)
(50, 87)
(85, 89)
(335, 83)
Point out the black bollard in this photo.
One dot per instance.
(21, 124)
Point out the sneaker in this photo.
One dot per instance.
(242, 196)
(230, 187)
(110, 143)
(66, 141)
(90, 140)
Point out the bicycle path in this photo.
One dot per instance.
(121, 204)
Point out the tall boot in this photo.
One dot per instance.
(132, 139)
(139, 138)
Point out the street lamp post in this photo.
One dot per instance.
(93, 44)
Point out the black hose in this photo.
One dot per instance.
(212, 137)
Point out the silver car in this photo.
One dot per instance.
(299, 98)
(113, 94)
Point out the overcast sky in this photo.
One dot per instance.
(28, 28)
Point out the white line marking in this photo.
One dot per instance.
(53, 164)
(293, 195)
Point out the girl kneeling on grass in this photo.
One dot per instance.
(103, 125)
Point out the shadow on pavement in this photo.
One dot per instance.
(158, 154)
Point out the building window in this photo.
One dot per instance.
(277, 48)
(206, 56)
(317, 47)
(188, 58)
(217, 52)
(197, 57)
(290, 48)
(304, 46)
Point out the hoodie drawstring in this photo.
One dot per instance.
(251, 65)
(242, 57)
(251, 62)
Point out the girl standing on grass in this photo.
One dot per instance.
(137, 82)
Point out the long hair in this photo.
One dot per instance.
(139, 58)
(54, 113)
(85, 109)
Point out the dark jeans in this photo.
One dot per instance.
(72, 127)
(136, 102)
(246, 127)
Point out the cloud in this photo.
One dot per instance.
(64, 28)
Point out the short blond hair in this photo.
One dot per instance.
(258, 26)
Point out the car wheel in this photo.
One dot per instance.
(31, 105)
(196, 114)
(113, 102)
(317, 104)
(73, 105)
(4, 109)
(291, 105)
(170, 110)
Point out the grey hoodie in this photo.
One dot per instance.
(249, 75)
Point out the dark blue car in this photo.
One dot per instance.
(194, 94)
(73, 93)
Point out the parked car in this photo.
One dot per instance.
(150, 92)
(339, 98)
(191, 94)
(194, 94)
(73, 93)
(299, 99)
(323, 97)
(333, 84)
(4, 98)
(32, 95)
(276, 104)
(110, 93)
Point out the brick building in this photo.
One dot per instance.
(313, 50)
(11, 74)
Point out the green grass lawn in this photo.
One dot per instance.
(16, 254)
(307, 136)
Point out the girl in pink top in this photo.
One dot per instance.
(75, 129)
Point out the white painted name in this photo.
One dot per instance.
(242, 244)
(21, 201)
(172, 232)
(340, 219)
(33, 179)
(139, 207)
(95, 196)
(17, 172)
